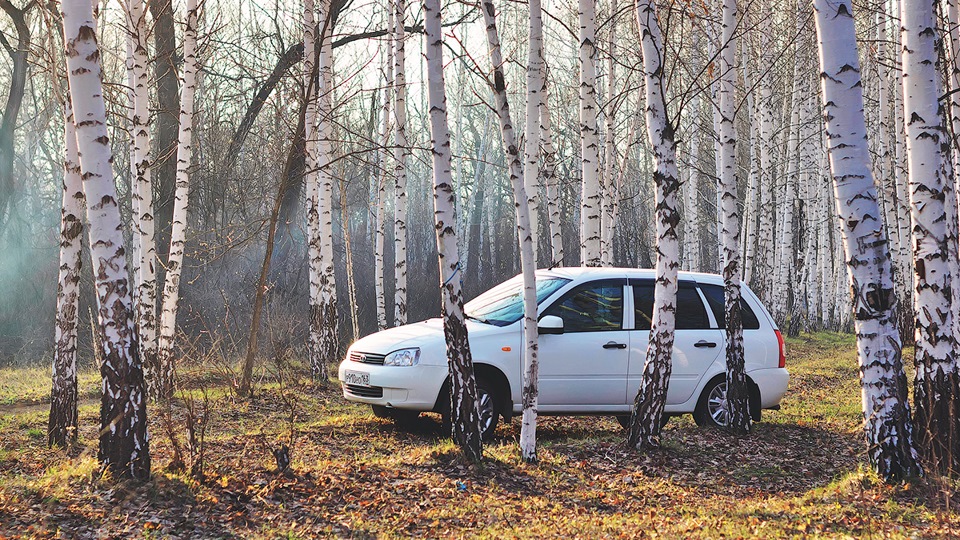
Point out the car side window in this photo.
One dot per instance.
(714, 294)
(691, 315)
(593, 307)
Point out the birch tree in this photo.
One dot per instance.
(652, 396)
(382, 152)
(162, 387)
(590, 199)
(887, 425)
(464, 413)
(62, 424)
(400, 152)
(531, 145)
(525, 235)
(323, 305)
(145, 249)
(124, 447)
(935, 386)
(549, 171)
(738, 412)
(311, 181)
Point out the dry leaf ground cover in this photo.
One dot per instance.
(801, 473)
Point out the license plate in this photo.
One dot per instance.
(357, 378)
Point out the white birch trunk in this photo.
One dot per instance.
(738, 412)
(935, 386)
(652, 395)
(382, 153)
(551, 182)
(765, 244)
(953, 69)
(163, 386)
(590, 195)
(464, 413)
(531, 145)
(312, 183)
(124, 443)
(528, 429)
(400, 153)
(884, 386)
(609, 188)
(323, 312)
(145, 253)
(62, 424)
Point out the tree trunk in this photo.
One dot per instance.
(62, 425)
(464, 413)
(609, 189)
(531, 145)
(590, 199)
(525, 234)
(884, 385)
(935, 388)
(164, 168)
(652, 396)
(550, 180)
(382, 153)
(124, 443)
(162, 387)
(738, 411)
(323, 314)
(11, 110)
(145, 252)
(400, 152)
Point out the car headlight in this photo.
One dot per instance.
(403, 357)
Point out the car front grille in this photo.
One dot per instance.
(367, 358)
(364, 391)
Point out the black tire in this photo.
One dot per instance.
(488, 401)
(624, 420)
(710, 411)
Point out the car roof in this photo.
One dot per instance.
(582, 272)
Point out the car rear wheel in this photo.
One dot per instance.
(711, 410)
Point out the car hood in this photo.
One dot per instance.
(427, 334)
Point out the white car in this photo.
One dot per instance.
(594, 328)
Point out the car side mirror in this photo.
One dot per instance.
(550, 324)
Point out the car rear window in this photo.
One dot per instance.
(691, 315)
(714, 294)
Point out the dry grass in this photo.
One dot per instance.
(800, 474)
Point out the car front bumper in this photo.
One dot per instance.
(407, 387)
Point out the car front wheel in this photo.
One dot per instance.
(488, 403)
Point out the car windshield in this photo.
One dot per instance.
(503, 304)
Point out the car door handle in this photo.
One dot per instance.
(614, 345)
(704, 343)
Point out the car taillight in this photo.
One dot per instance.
(783, 352)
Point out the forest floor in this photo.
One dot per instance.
(801, 473)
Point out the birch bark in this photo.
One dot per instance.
(738, 413)
(464, 413)
(550, 180)
(400, 152)
(590, 197)
(323, 313)
(935, 386)
(382, 153)
(884, 386)
(609, 188)
(145, 256)
(528, 429)
(62, 424)
(531, 145)
(163, 386)
(651, 397)
(124, 443)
